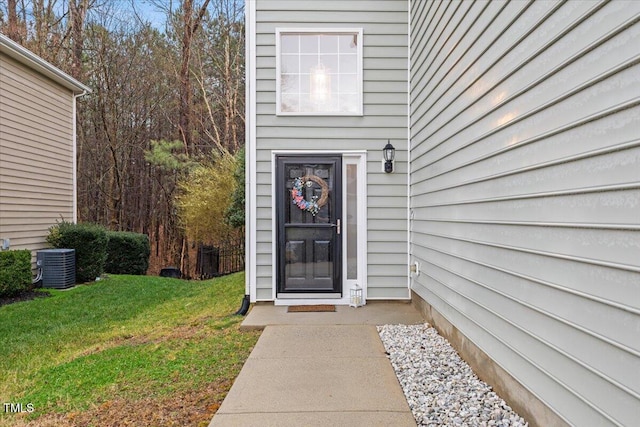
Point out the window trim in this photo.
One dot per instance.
(358, 31)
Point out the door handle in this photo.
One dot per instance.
(337, 226)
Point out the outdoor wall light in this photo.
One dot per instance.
(389, 154)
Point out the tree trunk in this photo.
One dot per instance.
(15, 30)
(78, 11)
(191, 24)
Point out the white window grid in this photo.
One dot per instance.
(347, 90)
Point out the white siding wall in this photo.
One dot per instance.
(525, 186)
(36, 155)
(385, 78)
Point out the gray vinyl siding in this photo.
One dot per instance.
(525, 191)
(385, 116)
(36, 155)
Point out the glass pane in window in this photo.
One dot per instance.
(348, 83)
(330, 62)
(306, 105)
(332, 106)
(349, 103)
(305, 82)
(289, 64)
(289, 43)
(290, 83)
(289, 103)
(335, 84)
(348, 63)
(309, 43)
(348, 43)
(308, 62)
(328, 44)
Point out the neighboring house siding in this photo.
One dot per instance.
(525, 191)
(385, 81)
(36, 155)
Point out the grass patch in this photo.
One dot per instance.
(135, 341)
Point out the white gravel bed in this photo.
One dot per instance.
(440, 387)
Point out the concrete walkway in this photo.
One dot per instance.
(374, 313)
(316, 373)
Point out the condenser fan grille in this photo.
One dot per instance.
(58, 267)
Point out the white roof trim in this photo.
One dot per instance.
(30, 59)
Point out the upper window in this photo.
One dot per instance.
(319, 72)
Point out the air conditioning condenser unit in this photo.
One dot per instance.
(58, 267)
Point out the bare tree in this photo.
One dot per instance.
(187, 22)
(219, 72)
(14, 27)
(185, 83)
(78, 13)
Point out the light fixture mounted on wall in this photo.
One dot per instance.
(389, 153)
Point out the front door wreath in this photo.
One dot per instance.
(297, 193)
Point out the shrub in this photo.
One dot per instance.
(90, 243)
(204, 196)
(15, 272)
(235, 212)
(127, 253)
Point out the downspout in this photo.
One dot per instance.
(249, 185)
(75, 155)
(246, 300)
(409, 158)
(38, 279)
(244, 308)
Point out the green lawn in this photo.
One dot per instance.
(129, 347)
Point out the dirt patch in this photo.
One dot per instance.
(192, 331)
(192, 408)
(23, 296)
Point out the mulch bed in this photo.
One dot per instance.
(23, 296)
